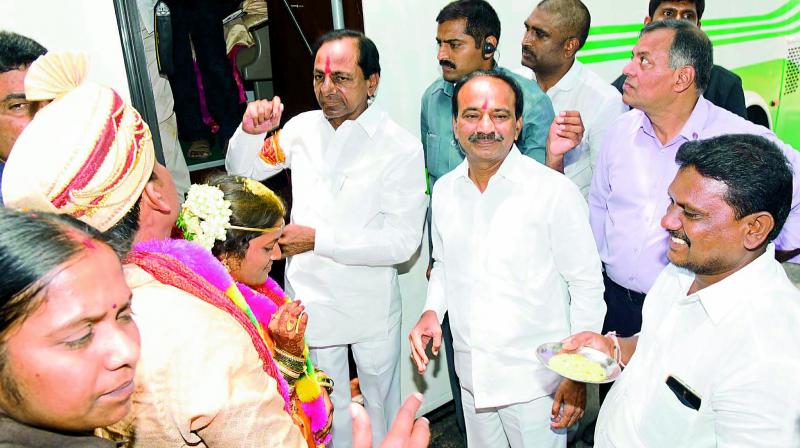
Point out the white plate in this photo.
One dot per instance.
(546, 351)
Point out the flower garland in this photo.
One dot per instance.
(205, 216)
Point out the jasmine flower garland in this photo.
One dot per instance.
(205, 215)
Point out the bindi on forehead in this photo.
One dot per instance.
(327, 64)
(485, 104)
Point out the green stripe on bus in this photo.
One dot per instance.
(635, 27)
(630, 41)
(757, 18)
(619, 55)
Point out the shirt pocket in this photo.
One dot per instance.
(665, 420)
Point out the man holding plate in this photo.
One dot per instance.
(515, 266)
(716, 361)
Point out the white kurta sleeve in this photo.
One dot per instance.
(243, 156)
(402, 205)
(577, 260)
(436, 299)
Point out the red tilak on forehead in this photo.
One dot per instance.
(327, 65)
(485, 104)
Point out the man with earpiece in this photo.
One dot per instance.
(467, 38)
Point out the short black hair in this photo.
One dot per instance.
(17, 52)
(690, 46)
(699, 5)
(573, 17)
(482, 20)
(518, 100)
(368, 57)
(757, 174)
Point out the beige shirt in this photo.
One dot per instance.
(199, 381)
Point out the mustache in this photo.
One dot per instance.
(448, 64)
(680, 236)
(484, 136)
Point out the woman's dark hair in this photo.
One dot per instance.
(33, 248)
(252, 205)
(755, 170)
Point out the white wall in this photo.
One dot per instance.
(89, 26)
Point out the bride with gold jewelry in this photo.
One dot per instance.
(238, 221)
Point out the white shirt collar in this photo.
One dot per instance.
(507, 169)
(369, 120)
(571, 78)
(717, 299)
(566, 83)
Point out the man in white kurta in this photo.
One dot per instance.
(555, 31)
(716, 361)
(515, 267)
(358, 186)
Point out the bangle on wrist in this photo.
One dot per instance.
(617, 350)
(291, 362)
(324, 380)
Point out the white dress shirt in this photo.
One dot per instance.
(516, 266)
(735, 343)
(362, 187)
(599, 104)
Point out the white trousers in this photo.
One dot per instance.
(378, 367)
(167, 123)
(523, 425)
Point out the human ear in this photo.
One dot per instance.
(571, 46)
(153, 197)
(758, 227)
(684, 78)
(372, 83)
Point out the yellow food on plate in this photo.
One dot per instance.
(577, 367)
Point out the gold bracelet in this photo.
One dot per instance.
(289, 361)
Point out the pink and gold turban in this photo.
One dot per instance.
(87, 154)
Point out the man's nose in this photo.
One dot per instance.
(671, 220)
(485, 124)
(628, 69)
(443, 53)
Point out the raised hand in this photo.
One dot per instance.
(566, 133)
(262, 116)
